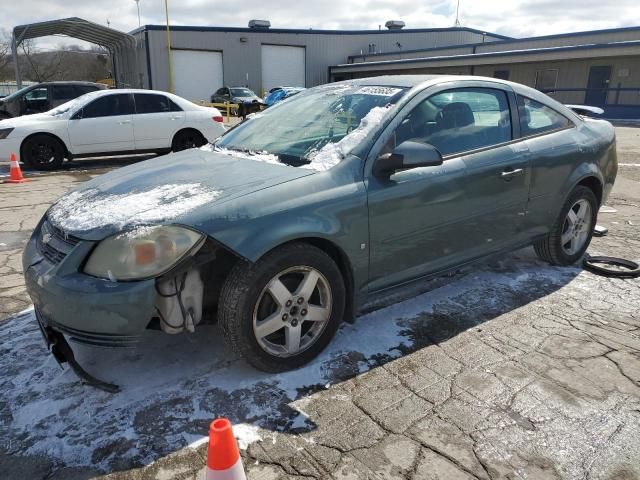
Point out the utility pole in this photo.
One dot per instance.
(14, 57)
(166, 13)
(457, 22)
(138, 6)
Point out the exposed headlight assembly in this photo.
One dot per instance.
(142, 253)
(4, 132)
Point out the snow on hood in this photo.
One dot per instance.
(332, 153)
(255, 156)
(89, 209)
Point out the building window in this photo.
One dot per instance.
(501, 74)
(546, 80)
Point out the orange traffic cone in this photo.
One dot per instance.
(15, 174)
(223, 458)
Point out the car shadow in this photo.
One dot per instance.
(173, 386)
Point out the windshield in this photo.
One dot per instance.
(70, 105)
(314, 129)
(17, 94)
(242, 92)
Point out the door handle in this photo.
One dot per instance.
(124, 122)
(510, 173)
(175, 118)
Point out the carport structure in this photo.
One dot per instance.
(122, 47)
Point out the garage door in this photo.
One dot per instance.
(196, 74)
(282, 66)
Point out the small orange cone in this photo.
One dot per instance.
(223, 457)
(15, 174)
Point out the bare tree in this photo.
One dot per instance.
(5, 53)
(41, 66)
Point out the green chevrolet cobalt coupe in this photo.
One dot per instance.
(294, 219)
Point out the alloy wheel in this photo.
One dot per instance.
(577, 226)
(292, 311)
(43, 154)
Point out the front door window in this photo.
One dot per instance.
(36, 100)
(459, 120)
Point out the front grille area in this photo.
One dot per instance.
(53, 243)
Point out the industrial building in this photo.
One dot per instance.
(600, 68)
(205, 58)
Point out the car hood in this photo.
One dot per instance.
(185, 188)
(31, 120)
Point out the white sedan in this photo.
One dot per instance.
(109, 122)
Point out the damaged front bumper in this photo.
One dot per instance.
(88, 310)
(62, 352)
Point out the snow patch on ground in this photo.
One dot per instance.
(332, 153)
(88, 209)
(246, 434)
(173, 386)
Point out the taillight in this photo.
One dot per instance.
(218, 119)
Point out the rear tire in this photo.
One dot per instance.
(43, 152)
(281, 311)
(571, 234)
(186, 139)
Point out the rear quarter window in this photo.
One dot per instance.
(536, 118)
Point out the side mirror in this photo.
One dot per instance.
(407, 155)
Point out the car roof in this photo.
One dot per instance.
(183, 102)
(424, 81)
(72, 82)
(131, 90)
(410, 81)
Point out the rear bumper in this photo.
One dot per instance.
(89, 310)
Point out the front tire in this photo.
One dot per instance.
(572, 232)
(281, 312)
(43, 152)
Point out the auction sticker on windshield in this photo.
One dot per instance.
(382, 91)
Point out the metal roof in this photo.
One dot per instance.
(479, 55)
(313, 31)
(77, 28)
(505, 41)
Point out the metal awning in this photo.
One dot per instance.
(71, 27)
(77, 28)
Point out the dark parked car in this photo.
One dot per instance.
(296, 218)
(246, 99)
(43, 97)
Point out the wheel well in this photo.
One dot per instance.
(188, 129)
(344, 265)
(216, 269)
(594, 184)
(67, 154)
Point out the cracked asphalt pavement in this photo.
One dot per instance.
(510, 370)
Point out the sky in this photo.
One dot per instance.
(517, 18)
